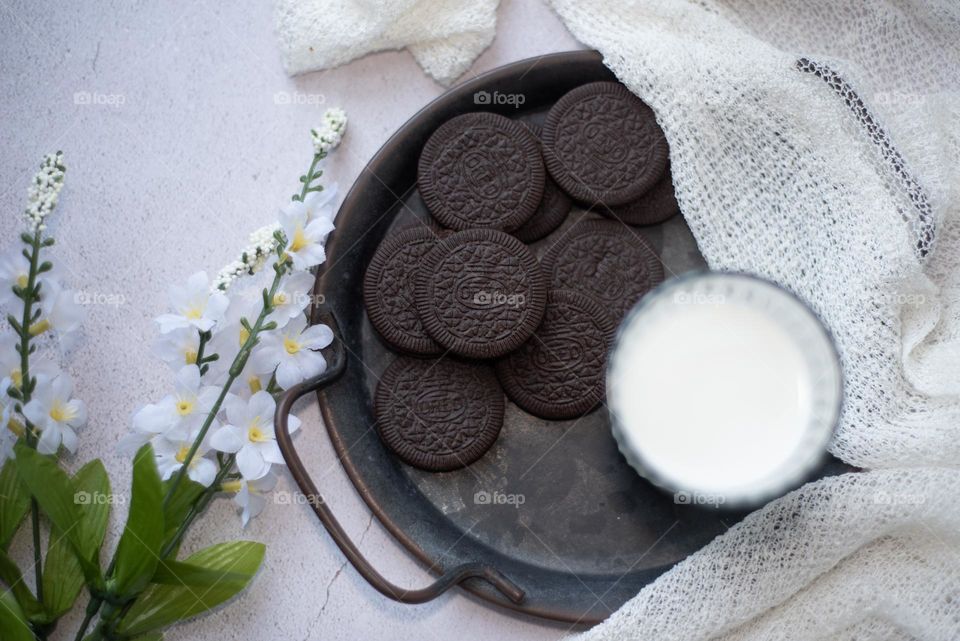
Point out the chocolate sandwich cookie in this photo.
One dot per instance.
(480, 293)
(388, 291)
(654, 207)
(481, 170)
(602, 144)
(438, 415)
(607, 261)
(553, 209)
(559, 372)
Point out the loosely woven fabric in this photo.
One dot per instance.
(444, 36)
(817, 143)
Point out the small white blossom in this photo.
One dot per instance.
(170, 456)
(252, 259)
(329, 134)
(194, 305)
(44, 191)
(55, 414)
(250, 435)
(177, 415)
(179, 347)
(60, 312)
(292, 297)
(290, 350)
(305, 237)
(10, 362)
(249, 495)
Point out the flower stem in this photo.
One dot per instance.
(26, 389)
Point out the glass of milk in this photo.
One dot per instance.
(724, 389)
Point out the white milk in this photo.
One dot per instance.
(724, 387)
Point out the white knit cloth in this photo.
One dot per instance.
(817, 143)
(445, 36)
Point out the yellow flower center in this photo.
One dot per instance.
(184, 407)
(40, 327)
(190, 357)
(280, 298)
(254, 383)
(22, 281)
(244, 335)
(16, 427)
(291, 346)
(299, 240)
(231, 486)
(194, 313)
(17, 377)
(60, 412)
(181, 454)
(255, 434)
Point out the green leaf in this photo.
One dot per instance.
(14, 503)
(171, 572)
(13, 624)
(62, 573)
(179, 504)
(10, 574)
(161, 605)
(153, 636)
(53, 490)
(139, 547)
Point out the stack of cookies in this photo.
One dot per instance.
(469, 304)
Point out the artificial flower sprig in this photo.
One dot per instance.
(233, 344)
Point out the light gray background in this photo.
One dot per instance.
(194, 153)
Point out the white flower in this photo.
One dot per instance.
(179, 414)
(14, 270)
(10, 428)
(249, 434)
(328, 135)
(249, 495)
(54, 414)
(170, 456)
(194, 305)
(252, 259)
(291, 351)
(178, 347)
(60, 312)
(292, 297)
(44, 191)
(10, 363)
(305, 237)
(232, 335)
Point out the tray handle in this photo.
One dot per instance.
(335, 368)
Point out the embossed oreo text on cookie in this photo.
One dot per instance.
(388, 291)
(481, 170)
(559, 372)
(480, 293)
(602, 143)
(607, 261)
(438, 415)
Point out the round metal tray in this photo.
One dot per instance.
(553, 507)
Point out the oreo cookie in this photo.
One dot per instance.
(480, 293)
(654, 207)
(559, 372)
(605, 260)
(388, 291)
(481, 170)
(602, 144)
(438, 415)
(553, 209)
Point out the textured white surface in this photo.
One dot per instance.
(201, 152)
